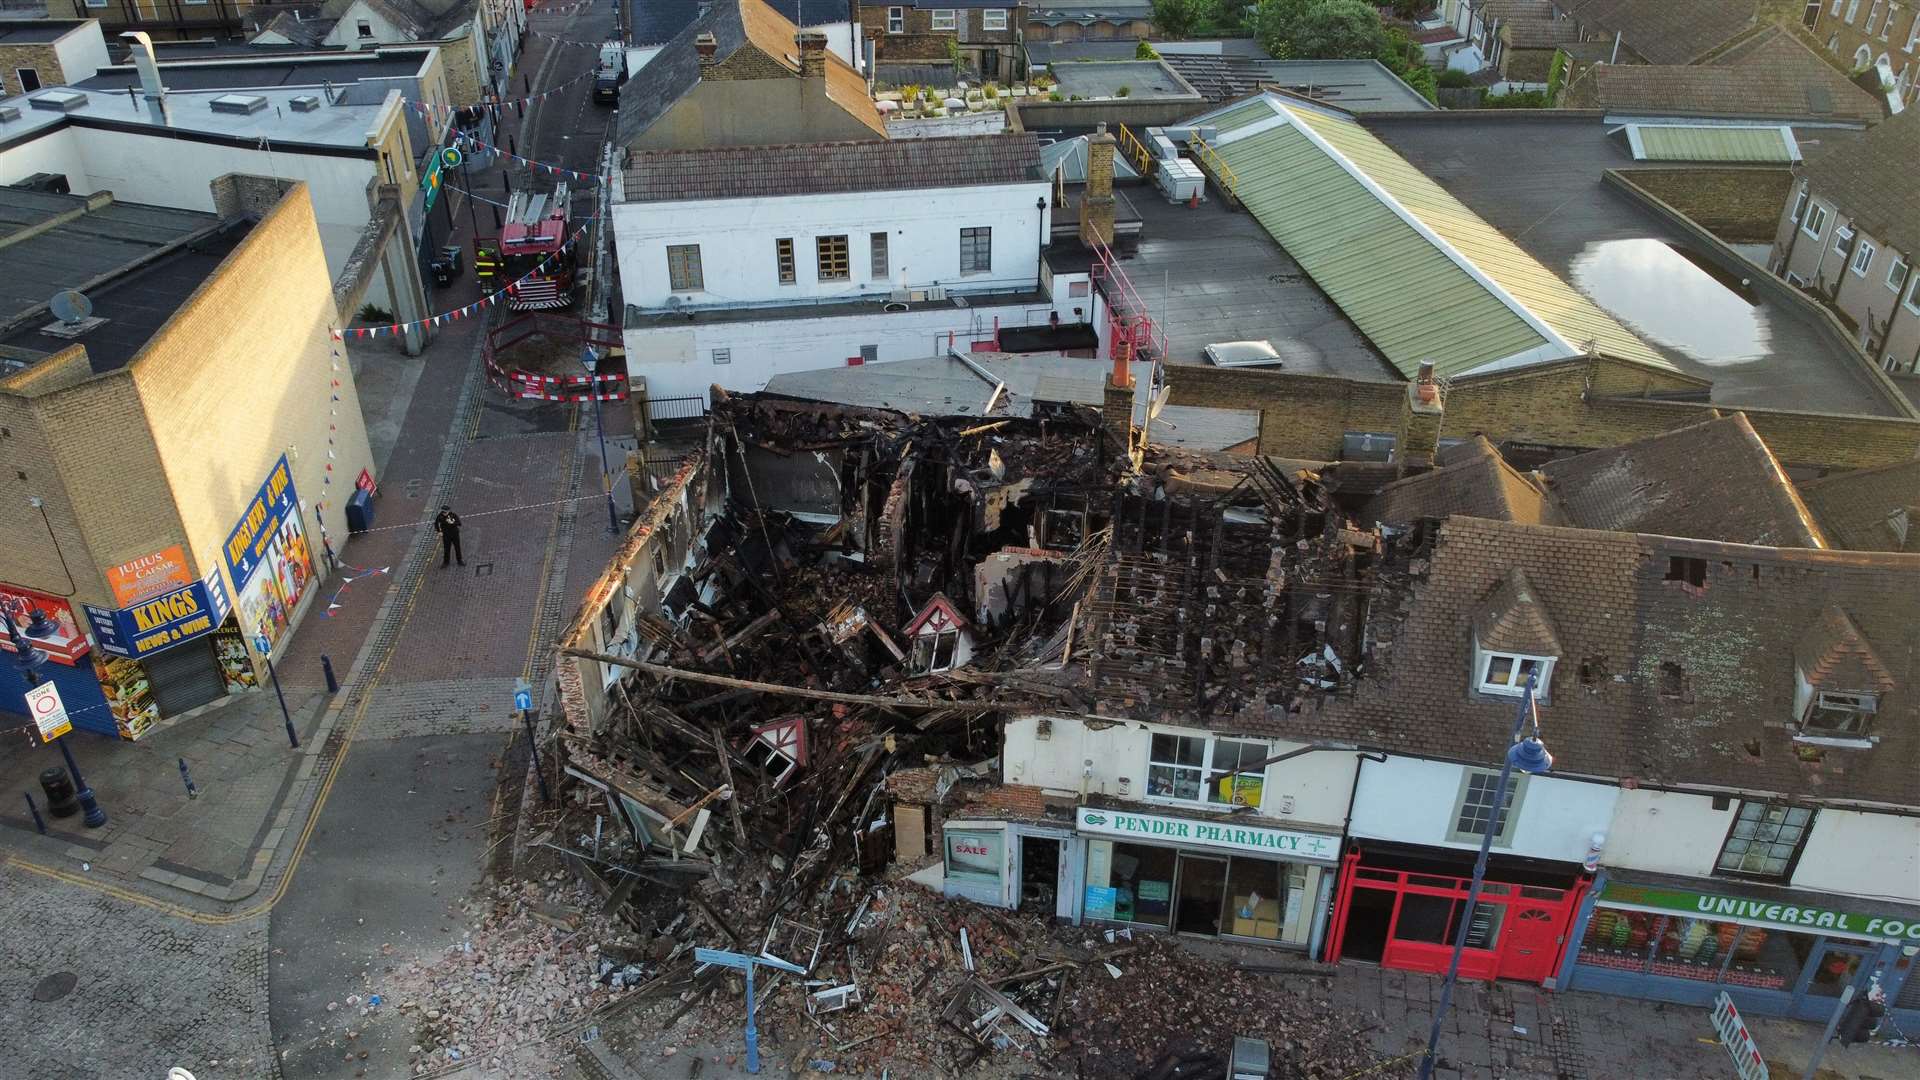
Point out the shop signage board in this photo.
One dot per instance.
(66, 645)
(248, 542)
(49, 715)
(1253, 839)
(149, 576)
(1100, 902)
(267, 557)
(1732, 1029)
(1790, 916)
(152, 625)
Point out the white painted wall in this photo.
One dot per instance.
(81, 52)
(171, 172)
(1862, 854)
(676, 356)
(1412, 801)
(638, 56)
(737, 252)
(841, 37)
(1319, 783)
(346, 32)
(1666, 832)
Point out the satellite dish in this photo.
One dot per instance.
(71, 306)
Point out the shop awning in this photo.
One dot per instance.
(1763, 905)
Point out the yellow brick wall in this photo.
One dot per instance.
(40, 58)
(243, 373)
(462, 70)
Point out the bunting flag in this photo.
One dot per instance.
(466, 141)
(357, 572)
(361, 333)
(425, 106)
(567, 41)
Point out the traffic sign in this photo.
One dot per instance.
(43, 703)
(522, 695)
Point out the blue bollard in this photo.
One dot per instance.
(326, 668)
(38, 821)
(187, 778)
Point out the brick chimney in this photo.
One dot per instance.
(706, 45)
(813, 54)
(1420, 421)
(1116, 404)
(1096, 202)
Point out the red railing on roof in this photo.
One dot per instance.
(1131, 332)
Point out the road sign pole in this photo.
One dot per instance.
(753, 1032)
(1833, 1024)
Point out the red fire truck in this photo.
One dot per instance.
(531, 252)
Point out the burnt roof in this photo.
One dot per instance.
(1869, 509)
(745, 172)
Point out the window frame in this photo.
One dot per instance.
(972, 239)
(1886, 28)
(987, 15)
(1853, 11)
(1835, 12)
(1912, 300)
(1913, 33)
(1800, 205)
(1793, 857)
(1211, 772)
(1504, 819)
(879, 256)
(1873, 16)
(675, 277)
(1863, 255)
(363, 30)
(1863, 705)
(951, 15)
(827, 267)
(1811, 227)
(784, 264)
(896, 20)
(20, 76)
(1483, 660)
(1904, 271)
(98, 4)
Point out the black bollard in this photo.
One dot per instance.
(58, 788)
(326, 668)
(38, 821)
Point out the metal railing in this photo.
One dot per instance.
(1136, 151)
(1222, 172)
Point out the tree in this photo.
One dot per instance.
(1176, 18)
(1145, 51)
(1338, 30)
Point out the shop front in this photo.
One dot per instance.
(70, 659)
(167, 651)
(1776, 952)
(269, 561)
(1212, 876)
(1402, 908)
(1013, 864)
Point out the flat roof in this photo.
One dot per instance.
(1358, 86)
(1210, 274)
(1549, 197)
(125, 243)
(253, 73)
(37, 31)
(341, 126)
(1144, 79)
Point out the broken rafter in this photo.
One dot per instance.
(664, 672)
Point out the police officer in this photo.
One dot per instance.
(447, 524)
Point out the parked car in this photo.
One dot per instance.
(1242, 354)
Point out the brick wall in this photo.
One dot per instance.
(1738, 205)
(245, 372)
(1574, 404)
(748, 62)
(40, 58)
(462, 66)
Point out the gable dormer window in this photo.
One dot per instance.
(1835, 713)
(1506, 673)
(1513, 638)
(1838, 682)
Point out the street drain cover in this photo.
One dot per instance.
(55, 986)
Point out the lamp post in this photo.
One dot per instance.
(30, 660)
(591, 361)
(1529, 755)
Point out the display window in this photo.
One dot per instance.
(1703, 950)
(1199, 892)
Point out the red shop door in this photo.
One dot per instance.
(1530, 943)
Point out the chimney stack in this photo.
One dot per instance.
(813, 54)
(1420, 421)
(706, 45)
(1096, 201)
(141, 51)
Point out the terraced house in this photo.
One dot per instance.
(1872, 33)
(982, 36)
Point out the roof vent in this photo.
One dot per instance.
(305, 103)
(60, 100)
(243, 104)
(8, 114)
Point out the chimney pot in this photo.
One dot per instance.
(706, 45)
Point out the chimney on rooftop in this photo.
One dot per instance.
(1096, 201)
(141, 50)
(706, 45)
(813, 54)
(1420, 420)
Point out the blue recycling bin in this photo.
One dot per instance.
(360, 511)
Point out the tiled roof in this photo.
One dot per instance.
(1667, 31)
(1715, 480)
(1538, 33)
(1862, 509)
(1874, 181)
(1512, 619)
(1834, 655)
(1472, 479)
(1657, 680)
(745, 172)
(1787, 87)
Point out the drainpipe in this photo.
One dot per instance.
(1614, 58)
(1826, 247)
(1793, 232)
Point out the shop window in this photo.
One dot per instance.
(1474, 808)
(1698, 949)
(1198, 768)
(975, 857)
(1841, 714)
(1765, 840)
(1265, 899)
(1143, 884)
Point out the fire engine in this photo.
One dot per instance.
(531, 253)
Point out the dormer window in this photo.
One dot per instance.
(1513, 638)
(1838, 681)
(942, 638)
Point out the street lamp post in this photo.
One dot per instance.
(591, 361)
(30, 660)
(1529, 755)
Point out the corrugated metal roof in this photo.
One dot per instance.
(1239, 116)
(1677, 142)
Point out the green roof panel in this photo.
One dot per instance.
(1677, 142)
